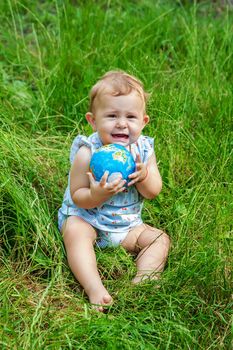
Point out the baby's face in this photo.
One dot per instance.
(118, 119)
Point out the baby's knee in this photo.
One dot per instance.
(162, 238)
(165, 239)
(75, 230)
(153, 236)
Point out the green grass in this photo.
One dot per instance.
(51, 53)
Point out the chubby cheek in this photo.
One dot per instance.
(136, 132)
(106, 128)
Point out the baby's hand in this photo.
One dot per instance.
(141, 172)
(104, 189)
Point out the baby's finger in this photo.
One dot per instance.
(122, 183)
(116, 181)
(116, 185)
(120, 187)
(132, 182)
(134, 178)
(104, 178)
(133, 175)
(139, 167)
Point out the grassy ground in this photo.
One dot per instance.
(51, 53)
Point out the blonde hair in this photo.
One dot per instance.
(117, 83)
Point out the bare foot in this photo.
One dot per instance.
(146, 275)
(99, 299)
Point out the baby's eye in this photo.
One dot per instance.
(131, 116)
(111, 116)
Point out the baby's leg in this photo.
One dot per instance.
(79, 237)
(153, 246)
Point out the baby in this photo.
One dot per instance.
(109, 212)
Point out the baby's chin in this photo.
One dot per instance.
(122, 143)
(119, 141)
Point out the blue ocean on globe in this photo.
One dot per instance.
(115, 159)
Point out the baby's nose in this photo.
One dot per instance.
(122, 122)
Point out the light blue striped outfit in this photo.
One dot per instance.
(115, 217)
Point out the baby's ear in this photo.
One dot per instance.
(91, 120)
(146, 119)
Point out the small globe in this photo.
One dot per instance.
(115, 159)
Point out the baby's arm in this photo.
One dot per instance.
(85, 191)
(147, 178)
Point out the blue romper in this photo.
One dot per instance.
(115, 217)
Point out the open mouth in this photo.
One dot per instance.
(120, 136)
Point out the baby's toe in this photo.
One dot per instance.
(107, 300)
